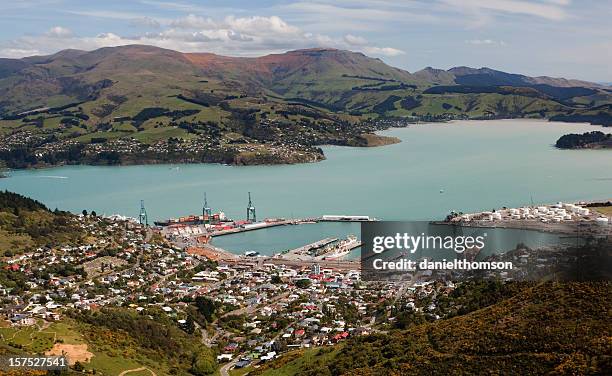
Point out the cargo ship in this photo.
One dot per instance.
(194, 220)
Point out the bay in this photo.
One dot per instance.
(462, 165)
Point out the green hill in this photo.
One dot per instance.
(550, 328)
(115, 340)
(26, 224)
(143, 104)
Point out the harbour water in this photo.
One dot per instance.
(463, 165)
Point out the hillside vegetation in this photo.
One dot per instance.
(143, 104)
(26, 224)
(590, 140)
(151, 339)
(116, 340)
(550, 328)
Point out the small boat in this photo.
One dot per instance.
(251, 253)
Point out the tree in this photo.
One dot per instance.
(279, 346)
(303, 283)
(189, 325)
(204, 363)
(206, 307)
(276, 279)
(78, 366)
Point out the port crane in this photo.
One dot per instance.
(142, 217)
(251, 216)
(206, 210)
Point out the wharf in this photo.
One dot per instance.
(237, 230)
(574, 228)
(342, 265)
(303, 251)
(339, 251)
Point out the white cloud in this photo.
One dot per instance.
(18, 52)
(135, 19)
(106, 14)
(381, 11)
(491, 42)
(174, 6)
(338, 15)
(58, 32)
(355, 40)
(383, 51)
(260, 25)
(552, 10)
(559, 2)
(194, 22)
(231, 35)
(146, 22)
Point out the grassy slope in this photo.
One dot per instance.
(605, 210)
(559, 328)
(149, 77)
(336, 83)
(26, 224)
(37, 340)
(114, 350)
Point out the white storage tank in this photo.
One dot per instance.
(255, 225)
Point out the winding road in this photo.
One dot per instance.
(137, 370)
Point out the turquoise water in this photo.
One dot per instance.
(479, 165)
(277, 239)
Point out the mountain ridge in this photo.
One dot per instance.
(274, 71)
(456, 71)
(236, 109)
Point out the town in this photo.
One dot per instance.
(248, 308)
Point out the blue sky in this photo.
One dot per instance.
(560, 38)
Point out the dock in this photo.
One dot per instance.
(252, 227)
(304, 250)
(339, 251)
(346, 218)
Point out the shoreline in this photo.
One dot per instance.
(374, 139)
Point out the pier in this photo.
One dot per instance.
(201, 229)
(251, 227)
(340, 250)
(304, 250)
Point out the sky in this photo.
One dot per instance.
(559, 38)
